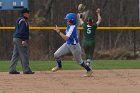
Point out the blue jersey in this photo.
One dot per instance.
(71, 32)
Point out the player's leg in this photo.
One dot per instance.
(89, 48)
(57, 55)
(24, 56)
(14, 59)
(90, 54)
(76, 51)
(86, 48)
(87, 51)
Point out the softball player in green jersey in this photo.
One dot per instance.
(89, 36)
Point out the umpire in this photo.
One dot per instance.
(20, 42)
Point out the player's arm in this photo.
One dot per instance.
(80, 19)
(86, 15)
(60, 33)
(22, 30)
(99, 17)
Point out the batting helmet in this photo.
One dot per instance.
(72, 17)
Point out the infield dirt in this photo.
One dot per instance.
(71, 81)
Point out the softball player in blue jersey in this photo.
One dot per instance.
(71, 45)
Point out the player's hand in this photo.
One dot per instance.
(98, 10)
(80, 15)
(24, 43)
(57, 29)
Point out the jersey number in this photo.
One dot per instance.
(89, 31)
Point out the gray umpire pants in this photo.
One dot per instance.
(67, 48)
(19, 52)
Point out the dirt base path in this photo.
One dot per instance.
(104, 81)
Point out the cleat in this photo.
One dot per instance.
(29, 72)
(14, 72)
(56, 69)
(88, 74)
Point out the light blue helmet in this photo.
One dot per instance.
(72, 17)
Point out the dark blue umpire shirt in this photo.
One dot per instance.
(22, 28)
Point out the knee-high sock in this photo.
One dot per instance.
(85, 66)
(59, 63)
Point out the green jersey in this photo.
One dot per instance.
(89, 31)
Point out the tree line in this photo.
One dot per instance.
(109, 44)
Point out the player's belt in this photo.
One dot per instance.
(71, 44)
(89, 38)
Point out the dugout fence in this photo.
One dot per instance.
(134, 29)
(80, 28)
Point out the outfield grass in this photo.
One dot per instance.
(71, 65)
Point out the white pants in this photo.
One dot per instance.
(67, 48)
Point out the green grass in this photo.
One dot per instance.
(71, 65)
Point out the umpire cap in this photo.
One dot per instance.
(25, 10)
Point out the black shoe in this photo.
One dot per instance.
(15, 72)
(29, 72)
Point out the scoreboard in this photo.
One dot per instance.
(13, 4)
